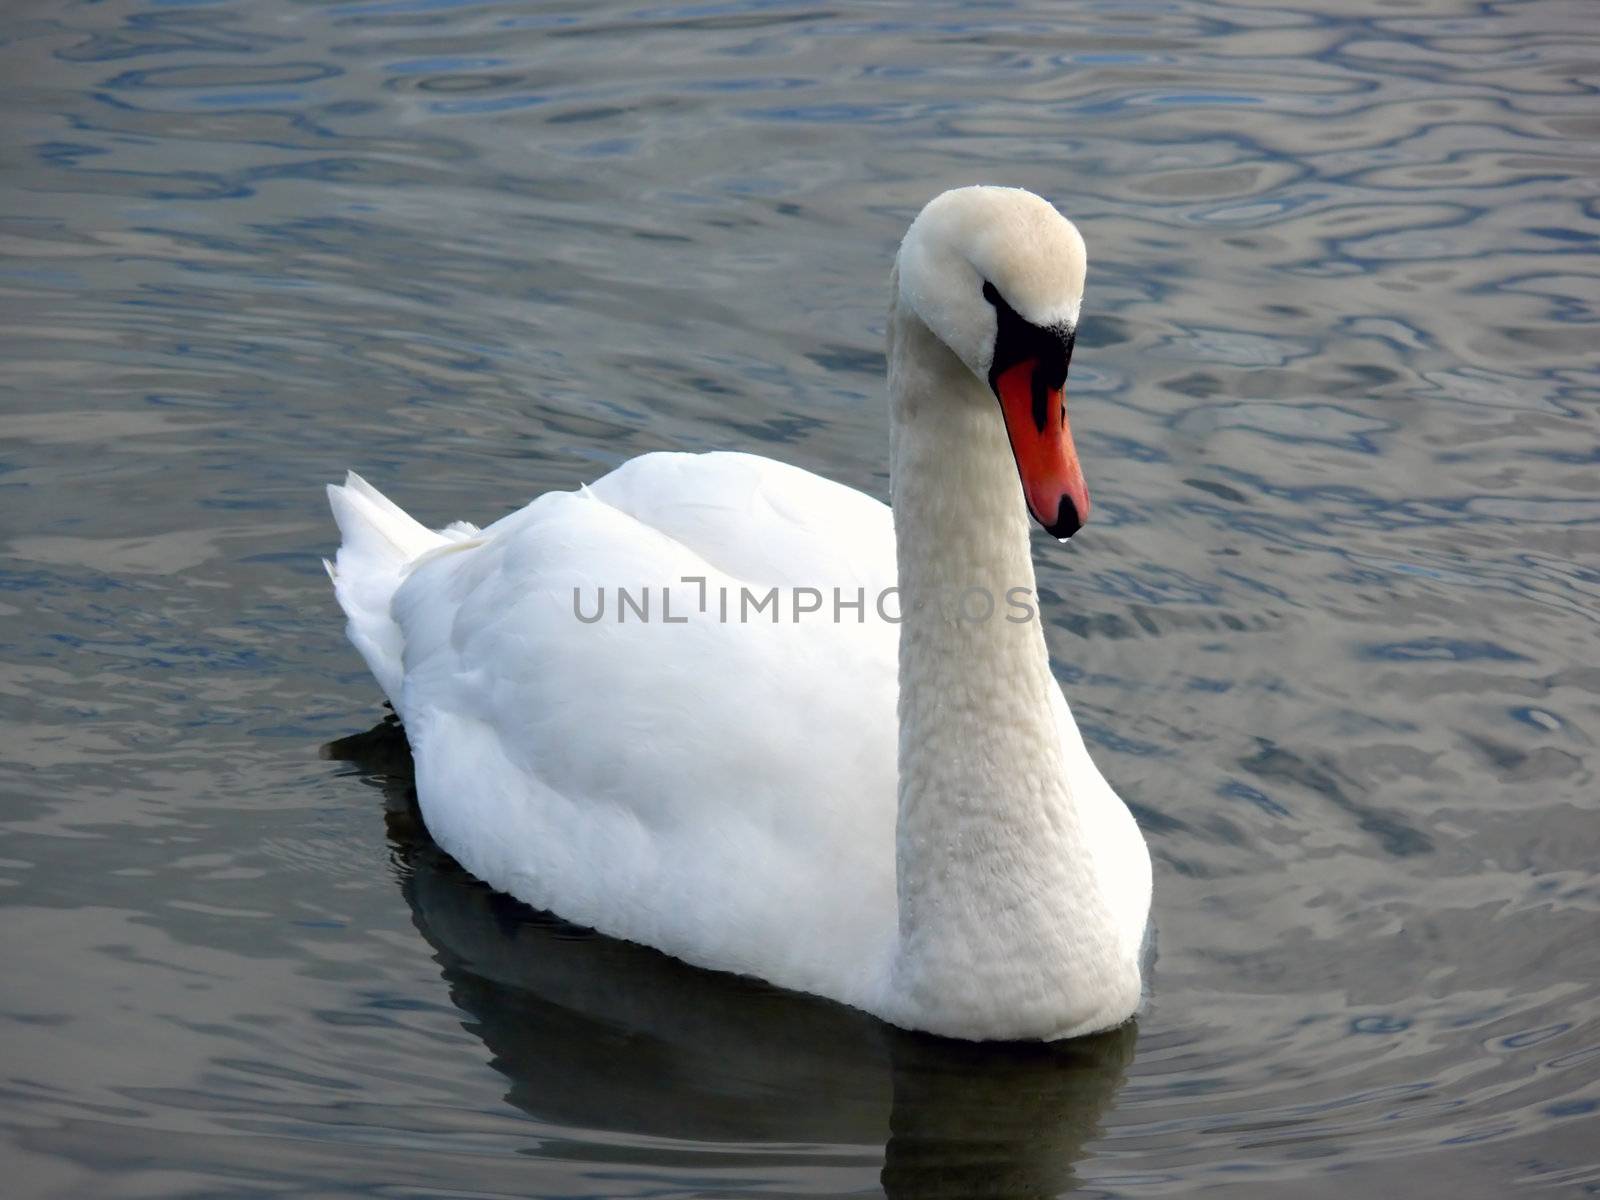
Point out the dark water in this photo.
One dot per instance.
(1333, 630)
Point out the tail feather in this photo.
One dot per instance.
(373, 524)
(379, 540)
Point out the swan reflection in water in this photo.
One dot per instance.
(599, 1034)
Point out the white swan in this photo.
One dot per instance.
(741, 792)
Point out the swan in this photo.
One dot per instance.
(760, 721)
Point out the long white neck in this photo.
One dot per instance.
(1004, 930)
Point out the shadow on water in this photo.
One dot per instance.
(606, 1035)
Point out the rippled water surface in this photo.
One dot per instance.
(1332, 631)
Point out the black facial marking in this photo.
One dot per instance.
(1017, 341)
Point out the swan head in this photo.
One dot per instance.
(997, 275)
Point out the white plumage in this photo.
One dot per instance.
(747, 794)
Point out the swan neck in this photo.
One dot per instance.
(974, 670)
(1000, 910)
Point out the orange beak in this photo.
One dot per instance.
(1036, 422)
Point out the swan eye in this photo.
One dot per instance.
(1018, 339)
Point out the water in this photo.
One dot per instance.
(1331, 630)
